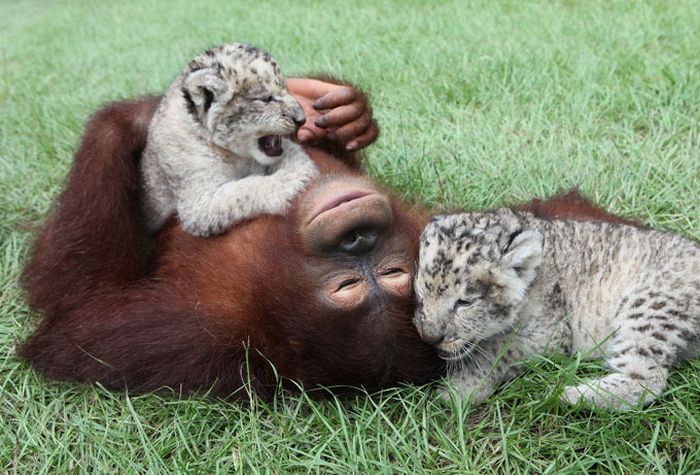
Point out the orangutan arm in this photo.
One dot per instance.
(93, 235)
(103, 319)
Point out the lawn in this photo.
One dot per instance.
(480, 103)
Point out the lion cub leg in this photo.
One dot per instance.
(477, 375)
(206, 208)
(289, 178)
(653, 333)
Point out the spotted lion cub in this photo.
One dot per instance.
(497, 286)
(219, 146)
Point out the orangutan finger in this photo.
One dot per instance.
(353, 129)
(368, 137)
(338, 97)
(309, 88)
(305, 135)
(341, 116)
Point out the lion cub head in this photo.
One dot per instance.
(238, 97)
(473, 273)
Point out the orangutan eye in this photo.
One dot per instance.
(348, 283)
(392, 271)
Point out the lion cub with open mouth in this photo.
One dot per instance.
(220, 147)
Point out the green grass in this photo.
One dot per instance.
(480, 102)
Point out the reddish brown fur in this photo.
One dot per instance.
(571, 205)
(185, 323)
(103, 319)
(185, 320)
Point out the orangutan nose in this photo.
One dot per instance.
(359, 241)
(345, 217)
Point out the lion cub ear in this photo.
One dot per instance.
(203, 88)
(524, 254)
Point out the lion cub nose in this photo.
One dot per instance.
(433, 339)
(299, 120)
(298, 117)
(294, 111)
(428, 332)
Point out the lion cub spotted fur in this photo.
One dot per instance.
(497, 286)
(219, 147)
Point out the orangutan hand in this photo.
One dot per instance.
(333, 112)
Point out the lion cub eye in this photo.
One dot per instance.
(460, 303)
(267, 99)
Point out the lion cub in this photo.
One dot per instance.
(220, 147)
(498, 286)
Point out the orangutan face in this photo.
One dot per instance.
(324, 294)
(350, 225)
(349, 321)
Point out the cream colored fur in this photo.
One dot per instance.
(203, 160)
(494, 288)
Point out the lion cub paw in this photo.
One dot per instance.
(471, 389)
(614, 392)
